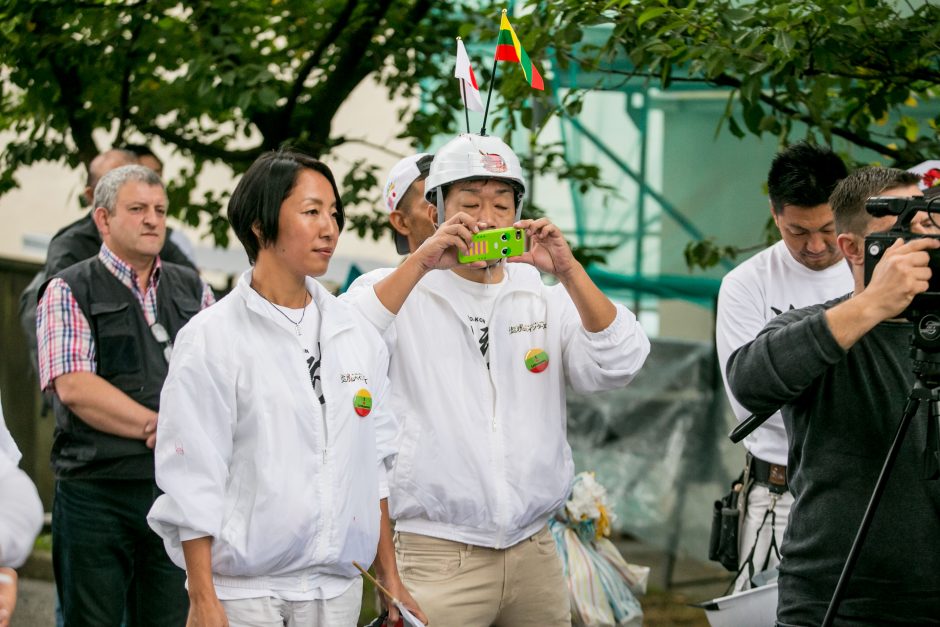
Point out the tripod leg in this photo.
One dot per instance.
(932, 449)
(913, 402)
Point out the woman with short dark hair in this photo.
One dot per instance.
(274, 431)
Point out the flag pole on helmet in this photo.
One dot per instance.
(469, 90)
(466, 109)
(489, 94)
(508, 48)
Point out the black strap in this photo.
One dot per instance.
(749, 562)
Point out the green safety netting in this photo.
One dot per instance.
(700, 290)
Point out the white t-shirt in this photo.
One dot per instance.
(752, 294)
(308, 338)
(476, 301)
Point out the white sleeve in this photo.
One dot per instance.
(604, 360)
(361, 295)
(386, 423)
(738, 321)
(8, 446)
(20, 507)
(20, 514)
(195, 431)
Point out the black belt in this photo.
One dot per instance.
(771, 476)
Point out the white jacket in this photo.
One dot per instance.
(483, 457)
(20, 507)
(242, 457)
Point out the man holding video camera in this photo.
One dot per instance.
(841, 373)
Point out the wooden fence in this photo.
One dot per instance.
(19, 388)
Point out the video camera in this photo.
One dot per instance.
(877, 243)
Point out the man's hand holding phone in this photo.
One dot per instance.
(547, 249)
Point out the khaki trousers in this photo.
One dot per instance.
(472, 586)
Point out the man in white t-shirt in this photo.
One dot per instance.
(804, 268)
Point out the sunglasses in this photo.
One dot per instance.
(161, 336)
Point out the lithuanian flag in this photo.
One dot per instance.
(508, 48)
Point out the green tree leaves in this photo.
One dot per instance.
(844, 68)
(220, 81)
(223, 81)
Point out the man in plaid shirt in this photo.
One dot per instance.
(105, 328)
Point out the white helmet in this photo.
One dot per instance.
(471, 156)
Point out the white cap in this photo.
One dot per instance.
(929, 172)
(400, 178)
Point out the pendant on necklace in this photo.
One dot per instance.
(298, 330)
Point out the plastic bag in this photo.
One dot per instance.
(636, 576)
(601, 583)
(589, 605)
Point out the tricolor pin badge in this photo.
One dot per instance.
(536, 360)
(362, 402)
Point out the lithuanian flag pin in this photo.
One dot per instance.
(362, 402)
(536, 360)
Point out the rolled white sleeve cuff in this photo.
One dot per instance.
(186, 533)
(623, 325)
(383, 481)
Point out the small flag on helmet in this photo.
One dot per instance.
(508, 48)
(469, 90)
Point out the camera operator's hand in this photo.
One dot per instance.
(902, 274)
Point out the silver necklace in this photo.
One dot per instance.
(303, 310)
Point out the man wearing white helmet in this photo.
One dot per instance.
(408, 211)
(480, 357)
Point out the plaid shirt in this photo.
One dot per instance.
(64, 334)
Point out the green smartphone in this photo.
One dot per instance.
(494, 244)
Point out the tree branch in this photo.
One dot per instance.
(365, 142)
(210, 151)
(125, 97)
(108, 5)
(70, 90)
(330, 93)
(419, 11)
(893, 76)
(729, 81)
(725, 80)
(313, 60)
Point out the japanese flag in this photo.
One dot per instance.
(470, 91)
